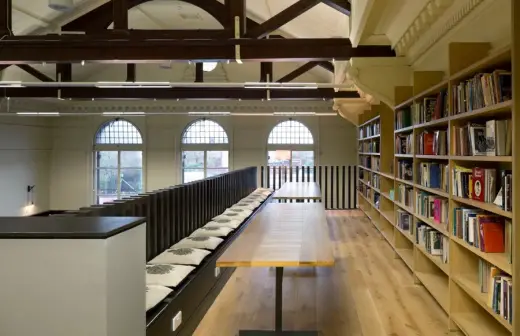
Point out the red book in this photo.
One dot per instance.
(479, 184)
(428, 141)
(491, 234)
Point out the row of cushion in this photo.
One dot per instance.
(168, 269)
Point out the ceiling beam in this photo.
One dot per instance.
(280, 19)
(19, 51)
(237, 18)
(6, 17)
(120, 14)
(176, 93)
(199, 72)
(131, 72)
(342, 6)
(35, 73)
(298, 72)
(266, 71)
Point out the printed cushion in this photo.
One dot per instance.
(225, 222)
(229, 215)
(167, 275)
(181, 256)
(208, 243)
(212, 231)
(244, 213)
(155, 294)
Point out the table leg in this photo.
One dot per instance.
(278, 309)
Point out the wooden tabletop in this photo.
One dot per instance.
(282, 235)
(298, 190)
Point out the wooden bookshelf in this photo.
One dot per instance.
(453, 277)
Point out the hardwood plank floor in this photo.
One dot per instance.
(367, 293)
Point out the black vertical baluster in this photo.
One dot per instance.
(326, 187)
(348, 188)
(338, 206)
(146, 213)
(153, 222)
(314, 173)
(262, 182)
(343, 186)
(308, 173)
(320, 182)
(279, 177)
(297, 174)
(290, 173)
(184, 211)
(332, 187)
(285, 174)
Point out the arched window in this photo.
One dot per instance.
(205, 150)
(290, 144)
(118, 149)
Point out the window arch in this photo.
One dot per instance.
(290, 144)
(118, 156)
(205, 150)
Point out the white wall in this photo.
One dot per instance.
(25, 148)
(71, 167)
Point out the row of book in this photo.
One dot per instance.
(487, 232)
(403, 118)
(369, 130)
(404, 221)
(434, 242)
(376, 181)
(405, 170)
(433, 175)
(369, 147)
(492, 138)
(404, 195)
(365, 161)
(403, 144)
(432, 143)
(432, 207)
(376, 163)
(431, 108)
(475, 183)
(499, 290)
(484, 89)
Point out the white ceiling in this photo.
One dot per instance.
(322, 21)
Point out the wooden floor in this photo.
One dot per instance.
(367, 292)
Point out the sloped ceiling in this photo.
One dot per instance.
(35, 17)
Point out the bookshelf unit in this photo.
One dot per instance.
(416, 174)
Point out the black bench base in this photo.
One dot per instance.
(276, 333)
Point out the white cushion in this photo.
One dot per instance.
(167, 275)
(246, 205)
(229, 215)
(212, 231)
(244, 213)
(182, 256)
(155, 294)
(224, 222)
(208, 243)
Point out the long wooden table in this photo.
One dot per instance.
(282, 235)
(298, 191)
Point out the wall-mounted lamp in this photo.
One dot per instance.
(30, 194)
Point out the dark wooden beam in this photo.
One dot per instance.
(35, 73)
(236, 13)
(281, 18)
(63, 72)
(58, 50)
(131, 74)
(6, 17)
(136, 34)
(327, 66)
(298, 72)
(176, 93)
(342, 6)
(199, 72)
(266, 71)
(120, 14)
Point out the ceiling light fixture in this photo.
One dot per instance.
(61, 5)
(209, 66)
(123, 113)
(49, 114)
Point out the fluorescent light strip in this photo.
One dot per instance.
(7, 84)
(122, 113)
(38, 113)
(294, 113)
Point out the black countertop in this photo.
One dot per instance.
(65, 227)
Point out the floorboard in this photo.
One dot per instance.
(367, 293)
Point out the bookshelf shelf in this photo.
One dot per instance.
(431, 106)
(370, 137)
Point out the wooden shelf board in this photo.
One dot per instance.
(496, 110)
(432, 157)
(436, 226)
(435, 191)
(437, 285)
(404, 207)
(482, 158)
(372, 154)
(410, 183)
(407, 102)
(406, 234)
(386, 175)
(472, 288)
(475, 324)
(407, 256)
(404, 156)
(404, 130)
(437, 260)
(500, 260)
(484, 206)
(387, 196)
(433, 123)
(369, 121)
(502, 56)
(370, 137)
(387, 217)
